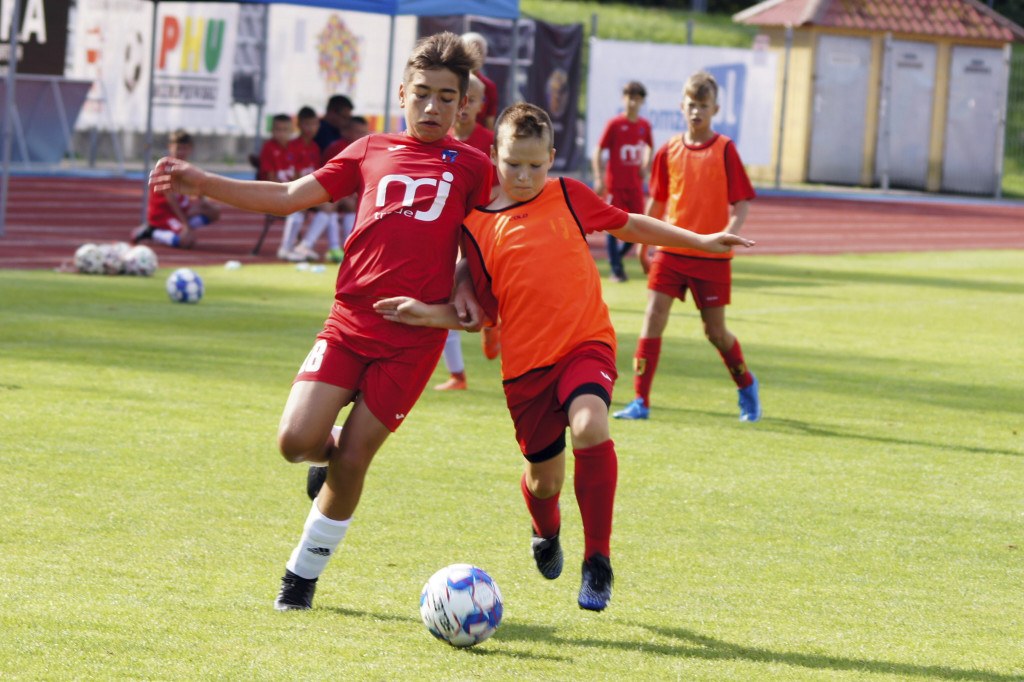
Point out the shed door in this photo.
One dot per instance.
(841, 69)
(906, 121)
(977, 82)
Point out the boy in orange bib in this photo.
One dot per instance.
(558, 365)
(698, 183)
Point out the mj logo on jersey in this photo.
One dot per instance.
(411, 187)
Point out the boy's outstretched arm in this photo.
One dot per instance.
(277, 198)
(408, 310)
(647, 230)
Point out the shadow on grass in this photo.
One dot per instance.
(507, 631)
(690, 644)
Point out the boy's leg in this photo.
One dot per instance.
(595, 478)
(728, 347)
(648, 351)
(454, 363)
(292, 225)
(349, 452)
(316, 228)
(541, 486)
(618, 273)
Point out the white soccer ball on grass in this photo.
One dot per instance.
(461, 604)
(184, 286)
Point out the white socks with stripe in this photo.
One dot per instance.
(320, 538)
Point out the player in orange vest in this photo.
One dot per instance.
(697, 182)
(558, 362)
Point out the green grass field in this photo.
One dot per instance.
(869, 528)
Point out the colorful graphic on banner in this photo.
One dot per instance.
(746, 80)
(338, 51)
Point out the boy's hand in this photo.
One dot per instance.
(720, 242)
(177, 176)
(471, 315)
(403, 309)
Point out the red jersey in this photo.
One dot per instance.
(413, 196)
(159, 212)
(305, 156)
(276, 162)
(532, 268)
(625, 141)
(482, 138)
(698, 185)
(490, 107)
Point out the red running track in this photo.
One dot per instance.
(49, 217)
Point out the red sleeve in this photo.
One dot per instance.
(479, 276)
(658, 184)
(593, 214)
(740, 188)
(332, 150)
(341, 175)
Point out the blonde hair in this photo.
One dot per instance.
(701, 86)
(522, 121)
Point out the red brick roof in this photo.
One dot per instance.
(945, 18)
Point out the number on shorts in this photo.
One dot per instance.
(315, 358)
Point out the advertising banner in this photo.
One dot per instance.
(42, 38)
(746, 98)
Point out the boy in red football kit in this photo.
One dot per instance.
(698, 178)
(558, 367)
(416, 187)
(171, 219)
(628, 142)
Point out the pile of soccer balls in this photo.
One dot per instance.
(115, 258)
(461, 604)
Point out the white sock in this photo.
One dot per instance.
(292, 224)
(453, 352)
(348, 221)
(320, 538)
(316, 228)
(333, 232)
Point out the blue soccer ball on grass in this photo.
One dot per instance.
(184, 286)
(461, 605)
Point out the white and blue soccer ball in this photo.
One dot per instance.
(113, 255)
(89, 259)
(184, 286)
(461, 604)
(140, 260)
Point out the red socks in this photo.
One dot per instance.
(595, 476)
(546, 517)
(644, 363)
(733, 359)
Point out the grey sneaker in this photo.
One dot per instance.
(547, 552)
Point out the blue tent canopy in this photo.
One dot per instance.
(502, 9)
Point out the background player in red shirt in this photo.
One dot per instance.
(305, 155)
(475, 135)
(416, 188)
(555, 374)
(628, 143)
(489, 111)
(697, 178)
(171, 219)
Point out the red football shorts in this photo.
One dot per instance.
(630, 200)
(390, 379)
(709, 280)
(538, 401)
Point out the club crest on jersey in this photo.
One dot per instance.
(449, 155)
